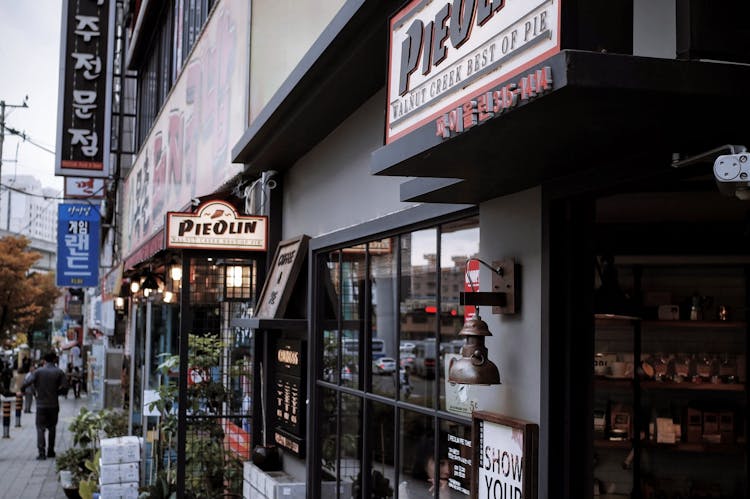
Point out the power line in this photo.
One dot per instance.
(28, 139)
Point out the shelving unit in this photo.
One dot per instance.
(641, 464)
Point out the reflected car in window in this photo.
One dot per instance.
(384, 365)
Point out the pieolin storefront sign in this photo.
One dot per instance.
(216, 225)
(444, 55)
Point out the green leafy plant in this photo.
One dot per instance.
(82, 458)
(212, 468)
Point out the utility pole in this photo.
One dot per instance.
(3, 105)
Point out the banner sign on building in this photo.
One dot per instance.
(216, 225)
(84, 188)
(444, 52)
(77, 245)
(83, 125)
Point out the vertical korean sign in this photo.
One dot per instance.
(83, 124)
(77, 245)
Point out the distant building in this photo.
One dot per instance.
(28, 209)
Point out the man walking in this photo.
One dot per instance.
(48, 381)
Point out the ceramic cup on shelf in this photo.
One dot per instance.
(619, 369)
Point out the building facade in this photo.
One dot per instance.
(557, 168)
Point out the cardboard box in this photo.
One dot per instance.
(710, 423)
(120, 450)
(693, 425)
(118, 473)
(119, 491)
(726, 427)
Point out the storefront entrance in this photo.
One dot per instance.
(649, 281)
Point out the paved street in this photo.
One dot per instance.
(23, 477)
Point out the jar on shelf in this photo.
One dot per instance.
(728, 369)
(660, 362)
(682, 369)
(702, 368)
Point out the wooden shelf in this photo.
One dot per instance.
(613, 383)
(603, 443)
(703, 387)
(696, 447)
(686, 447)
(713, 325)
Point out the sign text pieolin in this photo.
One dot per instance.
(446, 52)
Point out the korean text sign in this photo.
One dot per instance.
(85, 89)
(77, 245)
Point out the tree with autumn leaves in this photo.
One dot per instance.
(27, 298)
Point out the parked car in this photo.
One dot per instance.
(384, 365)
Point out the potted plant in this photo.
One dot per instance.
(78, 465)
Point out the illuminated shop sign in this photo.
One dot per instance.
(85, 88)
(446, 52)
(216, 225)
(77, 245)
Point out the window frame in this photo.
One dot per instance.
(319, 251)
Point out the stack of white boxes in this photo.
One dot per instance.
(119, 468)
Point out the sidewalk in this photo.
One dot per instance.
(23, 477)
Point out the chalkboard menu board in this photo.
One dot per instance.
(288, 395)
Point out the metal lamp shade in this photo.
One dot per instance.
(150, 283)
(474, 367)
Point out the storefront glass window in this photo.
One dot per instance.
(330, 312)
(459, 242)
(395, 297)
(382, 436)
(350, 449)
(417, 314)
(417, 455)
(353, 271)
(383, 306)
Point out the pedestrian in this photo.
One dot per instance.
(28, 392)
(75, 381)
(49, 381)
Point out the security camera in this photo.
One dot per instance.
(732, 174)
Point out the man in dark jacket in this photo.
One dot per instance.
(48, 381)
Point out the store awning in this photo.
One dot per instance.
(605, 112)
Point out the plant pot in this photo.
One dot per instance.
(72, 493)
(267, 457)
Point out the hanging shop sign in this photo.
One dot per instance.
(281, 278)
(84, 188)
(216, 225)
(85, 89)
(289, 395)
(505, 457)
(447, 52)
(77, 245)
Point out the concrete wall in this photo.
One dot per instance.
(511, 227)
(655, 28)
(331, 188)
(282, 32)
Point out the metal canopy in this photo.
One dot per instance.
(605, 111)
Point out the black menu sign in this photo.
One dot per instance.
(289, 395)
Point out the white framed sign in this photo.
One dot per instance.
(216, 225)
(505, 457)
(443, 52)
(84, 188)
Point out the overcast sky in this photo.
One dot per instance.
(29, 65)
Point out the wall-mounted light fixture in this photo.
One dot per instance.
(119, 304)
(135, 286)
(175, 270)
(474, 367)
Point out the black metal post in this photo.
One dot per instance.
(185, 325)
